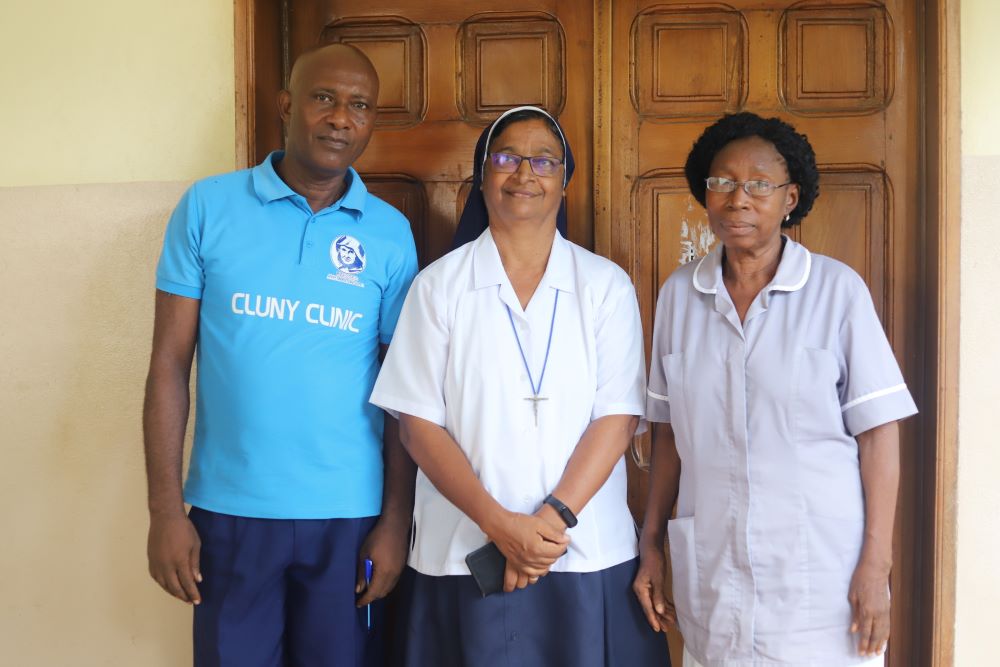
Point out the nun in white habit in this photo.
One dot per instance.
(517, 371)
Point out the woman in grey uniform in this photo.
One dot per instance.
(774, 396)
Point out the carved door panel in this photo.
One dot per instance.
(447, 69)
(844, 73)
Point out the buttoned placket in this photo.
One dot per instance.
(308, 233)
(308, 227)
(741, 337)
(273, 190)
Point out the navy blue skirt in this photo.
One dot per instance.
(567, 619)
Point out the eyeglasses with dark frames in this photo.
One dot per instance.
(508, 163)
(752, 188)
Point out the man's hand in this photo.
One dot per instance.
(649, 586)
(869, 598)
(173, 548)
(386, 546)
(174, 551)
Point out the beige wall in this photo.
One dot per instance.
(109, 109)
(77, 276)
(116, 90)
(131, 90)
(978, 584)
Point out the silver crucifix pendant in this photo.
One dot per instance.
(534, 404)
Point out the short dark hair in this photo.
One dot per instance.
(793, 147)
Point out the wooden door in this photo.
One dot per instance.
(634, 82)
(845, 74)
(447, 69)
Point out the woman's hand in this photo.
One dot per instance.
(650, 587)
(878, 452)
(664, 480)
(514, 578)
(531, 545)
(869, 598)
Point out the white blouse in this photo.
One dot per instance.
(454, 361)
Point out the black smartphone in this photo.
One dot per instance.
(487, 565)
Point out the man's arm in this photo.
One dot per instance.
(173, 546)
(388, 543)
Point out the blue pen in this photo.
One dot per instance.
(368, 580)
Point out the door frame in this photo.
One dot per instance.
(258, 25)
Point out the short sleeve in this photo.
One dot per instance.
(621, 368)
(180, 270)
(873, 391)
(400, 277)
(411, 380)
(657, 392)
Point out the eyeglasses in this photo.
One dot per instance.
(752, 188)
(508, 163)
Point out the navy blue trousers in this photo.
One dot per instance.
(280, 593)
(567, 619)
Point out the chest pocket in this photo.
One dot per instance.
(816, 414)
(701, 390)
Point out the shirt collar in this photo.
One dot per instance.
(791, 276)
(488, 269)
(270, 187)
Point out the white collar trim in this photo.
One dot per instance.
(791, 276)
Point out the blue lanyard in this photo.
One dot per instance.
(524, 359)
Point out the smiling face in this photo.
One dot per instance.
(522, 196)
(742, 221)
(329, 110)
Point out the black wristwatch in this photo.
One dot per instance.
(565, 513)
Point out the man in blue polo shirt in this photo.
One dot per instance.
(287, 279)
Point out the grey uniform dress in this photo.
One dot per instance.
(770, 513)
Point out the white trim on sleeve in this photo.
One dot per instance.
(653, 394)
(875, 394)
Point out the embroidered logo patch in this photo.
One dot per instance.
(348, 256)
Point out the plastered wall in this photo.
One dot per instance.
(109, 110)
(76, 302)
(116, 90)
(978, 578)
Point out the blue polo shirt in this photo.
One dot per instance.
(294, 305)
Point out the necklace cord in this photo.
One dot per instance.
(548, 346)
